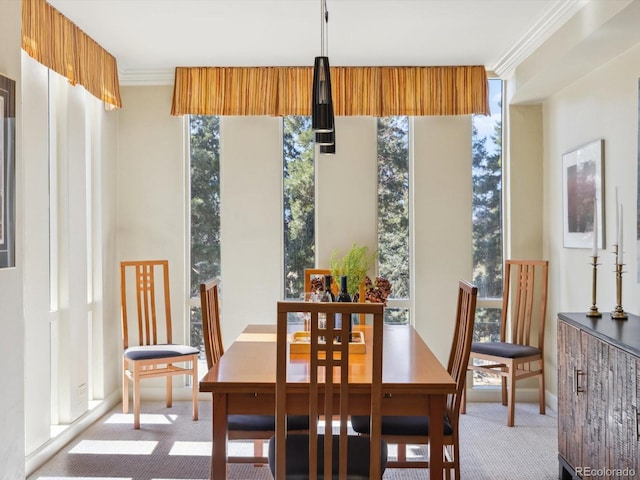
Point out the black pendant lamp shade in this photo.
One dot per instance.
(324, 138)
(328, 149)
(322, 106)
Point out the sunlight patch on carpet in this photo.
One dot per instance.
(145, 418)
(191, 449)
(114, 447)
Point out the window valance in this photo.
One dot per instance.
(374, 91)
(56, 42)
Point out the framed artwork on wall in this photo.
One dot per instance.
(7, 172)
(583, 196)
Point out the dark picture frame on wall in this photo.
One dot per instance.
(583, 196)
(7, 172)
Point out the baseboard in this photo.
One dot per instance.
(494, 394)
(552, 401)
(45, 452)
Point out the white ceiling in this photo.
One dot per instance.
(149, 38)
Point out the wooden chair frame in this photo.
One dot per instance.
(328, 356)
(518, 321)
(457, 368)
(214, 349)
(150, 334)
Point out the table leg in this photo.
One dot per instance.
(219, 437)
(436, 429)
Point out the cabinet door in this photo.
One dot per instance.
(622, 435)
(571, 414)
(595, 360)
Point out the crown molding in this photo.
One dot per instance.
(557, 15)
(146, 77)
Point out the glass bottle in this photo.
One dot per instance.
(327, 296)
(343, 296)
(327, 290)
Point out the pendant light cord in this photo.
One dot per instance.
(324, 30)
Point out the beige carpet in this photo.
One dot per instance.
(170, 446)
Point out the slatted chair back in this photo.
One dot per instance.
(461, 345)
(150, 301)
(524, 304)
(145, 302)
(329, 375)
(211, 333)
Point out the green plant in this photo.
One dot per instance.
(354, 265)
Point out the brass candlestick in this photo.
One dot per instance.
(618, 313)
(593, 311)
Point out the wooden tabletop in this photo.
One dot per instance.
(414, 382)
(250, 361)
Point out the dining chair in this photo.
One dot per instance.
(520, 352)
(312, 455)
(152, 353)
(258, 428)
(404, 430)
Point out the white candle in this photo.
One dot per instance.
(620, 247)
(617, 219)
(595, 228)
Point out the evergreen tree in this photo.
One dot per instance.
(487, 227)
(393, 203)
(299, 202)
(205, 209)
(205, 199)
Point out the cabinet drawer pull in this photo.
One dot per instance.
(577, 373)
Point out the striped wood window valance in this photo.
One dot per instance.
(373, 91)
(56, 42)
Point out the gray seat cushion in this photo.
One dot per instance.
(298, 457)
(504, 349)
(399, 425)
(265, 423)
(144, 352)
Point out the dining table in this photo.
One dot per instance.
(414, 382)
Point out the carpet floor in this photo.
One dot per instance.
(170, 446)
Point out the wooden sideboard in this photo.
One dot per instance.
(598, 396)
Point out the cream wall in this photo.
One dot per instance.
(36, 261)
(346, 190)
(603, 105)
(12, 408)
(151, 176)
(151, 198)
(71, 348)
(442, 224)
(251, 232)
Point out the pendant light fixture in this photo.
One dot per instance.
(322, 120)
(329, 148)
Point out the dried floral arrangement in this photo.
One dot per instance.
(317, 284)
(377, 292)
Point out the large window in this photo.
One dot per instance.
(205, 210)
(393, 208)
(487, 222)
(393, 214)
(299, 203)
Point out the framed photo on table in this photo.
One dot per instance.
(7, 172)
(583, 196)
